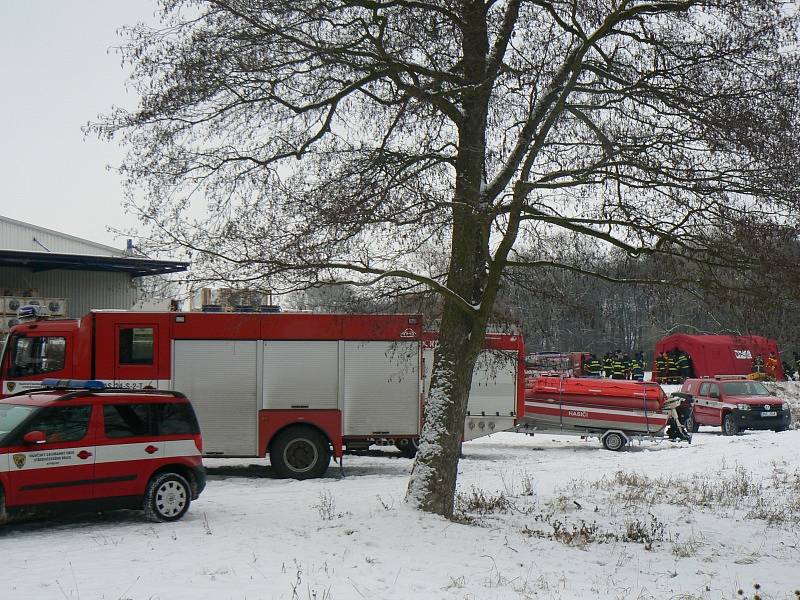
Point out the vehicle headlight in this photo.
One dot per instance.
(785, 406)
(743, 406)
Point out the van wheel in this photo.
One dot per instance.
(409, 450)
(167, 497)
(614, 441)
(300, 453)
(729, 425)
(3, 512)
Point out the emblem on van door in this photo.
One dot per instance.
(408, 333)
(19, 460)
(11, 385)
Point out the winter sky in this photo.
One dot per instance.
(59, 70)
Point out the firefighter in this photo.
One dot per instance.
(608, 365)
(672, 368)
(626, 365)
(661, 368)
(617, 366)
(641, 360)
(682, 364)
(771, 366)
(758, 364)
(594, 367)
(637, 369)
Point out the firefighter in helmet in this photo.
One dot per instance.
(672, 367)
(661, 368)
(608, 365)
(637, 369)
(618, 366)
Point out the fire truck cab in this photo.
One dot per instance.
(300, 387)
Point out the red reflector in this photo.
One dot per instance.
(198, 441)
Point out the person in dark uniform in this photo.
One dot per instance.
(608, 364)
(594, 367)
(672, 368)
(661, 368)
(637, 371)
(683, 365)
(617, 367)
(758, 364)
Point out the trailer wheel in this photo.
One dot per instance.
(614, 441)
(729, 425)
(300, 453)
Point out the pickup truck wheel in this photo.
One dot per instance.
(614, 441)
(729, 425)
(167, 497)
(300, 453)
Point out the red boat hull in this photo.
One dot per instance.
(594, 405)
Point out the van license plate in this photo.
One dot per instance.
(769, 414)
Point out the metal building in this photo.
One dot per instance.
(67, 275)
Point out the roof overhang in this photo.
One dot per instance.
(46, 261)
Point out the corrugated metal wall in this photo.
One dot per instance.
(84, 290)
(16, 235)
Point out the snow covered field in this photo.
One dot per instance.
(543, 517)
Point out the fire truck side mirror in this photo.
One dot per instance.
(34, 437)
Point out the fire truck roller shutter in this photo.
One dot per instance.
(220, 377)
(302, 374)
(381, 388)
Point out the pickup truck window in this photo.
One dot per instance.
(744, 388)
(713, 390)
(703, 389)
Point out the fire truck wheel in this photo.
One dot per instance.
(729, 425)
(614, 441)
(167, 497)
(409, 449)
(300, 453)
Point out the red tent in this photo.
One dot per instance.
(721, 354)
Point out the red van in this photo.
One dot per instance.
(79, 446)
(734, 403)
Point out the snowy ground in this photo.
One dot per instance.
(544, 517)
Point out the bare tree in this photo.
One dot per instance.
(422, 144)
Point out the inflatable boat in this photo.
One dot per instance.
(614, 410)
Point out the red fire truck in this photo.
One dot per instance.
(296, 386)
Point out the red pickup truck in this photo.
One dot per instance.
(734, 403)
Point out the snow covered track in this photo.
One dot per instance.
(548, 518)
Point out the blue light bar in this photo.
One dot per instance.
(74, 384)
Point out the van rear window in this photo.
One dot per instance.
(135, 420)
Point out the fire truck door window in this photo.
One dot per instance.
(36, 355)
(126, 420)
(60, 423)
(136, 346)
(703, 390)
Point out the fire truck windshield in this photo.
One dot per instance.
(35, 355)
(744, 388)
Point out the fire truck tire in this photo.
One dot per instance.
(729, 425)
(409, 449)
(614, 441)
(167, 497)
(300, 453)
